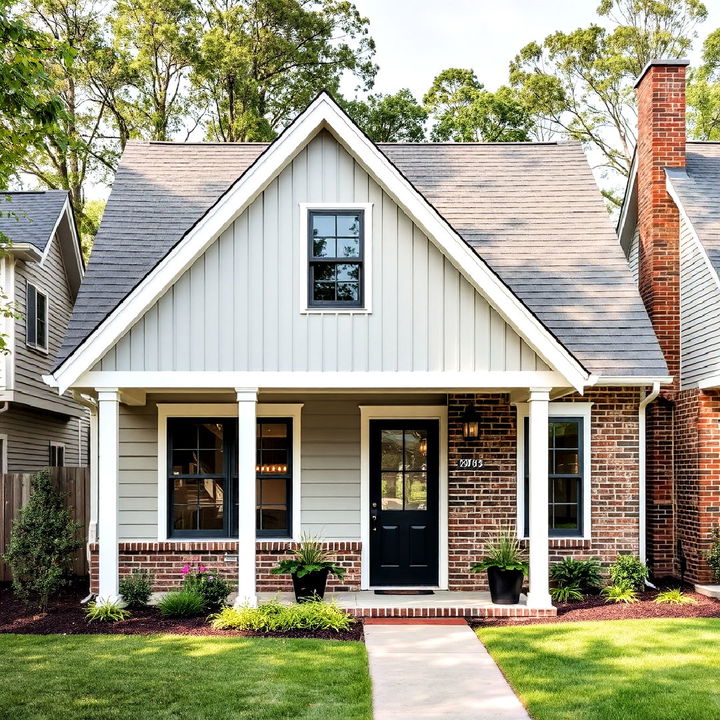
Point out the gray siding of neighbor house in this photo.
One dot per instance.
(239, 306)
(634, 254)
(29, 433)
(699, 311)
(330, 487)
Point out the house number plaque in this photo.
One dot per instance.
(469, 464)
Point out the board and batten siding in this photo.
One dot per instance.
(239, 306)
(699, 311)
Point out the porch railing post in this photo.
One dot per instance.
(539, 593)
(247, 420)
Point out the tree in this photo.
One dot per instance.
(464, 111)
(579, 85)
(389, 118)
(703, 92)
(262, 61)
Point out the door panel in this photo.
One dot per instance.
(404, 518)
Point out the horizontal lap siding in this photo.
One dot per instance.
(700, 312)
(634, 254)
(238, 307)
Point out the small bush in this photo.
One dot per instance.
(713, 554)
(566, 593)
(275, 617)
(181, 604)
(213, 589)
(42, 543)
(581, 574)
(629, 570)
(104, 610)
(674, 597)
(136, 589)
(621, 592)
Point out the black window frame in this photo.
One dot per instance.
(229, 476)
(59, 459)
(288, 477)
(314, 260)
(579, 477)
(35, 325)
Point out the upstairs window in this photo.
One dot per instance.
(56, 454)
(36, 318)
(336, 258)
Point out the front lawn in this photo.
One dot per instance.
(164, 677)
(621, 670)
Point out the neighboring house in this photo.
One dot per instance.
(405, 349)
(670, 231)
(40, 275)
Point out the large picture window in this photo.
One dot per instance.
(336, 256)
(565, 476)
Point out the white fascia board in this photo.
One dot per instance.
(25, 251)
(194, 380)
(710, 383)
(322, 113)
(628, 380)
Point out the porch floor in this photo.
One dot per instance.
(443, 603)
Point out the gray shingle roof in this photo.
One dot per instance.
(29, 217)
(699, 192)
(532, 211)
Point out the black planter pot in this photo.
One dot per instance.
(505, 585)
(311, 585)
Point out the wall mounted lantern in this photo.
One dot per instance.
(471, 423)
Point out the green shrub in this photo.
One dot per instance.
(621, 592)
(182, 604)
(213, 589)
(630, 570)
(674, 597)
(567, 593)
(713, 554)
(275, 617)
(42, 543)
(505, 553)
(104, 610)
(310, 556)
(581, 574)
(136, 589)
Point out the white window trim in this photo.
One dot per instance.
(305, 209)
(38, 291)
(558, 409)
(4, 454)
(227, 410)
(54, 444)
(403, 412)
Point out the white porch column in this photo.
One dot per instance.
(107, 454)
(247, 419)
(538, 594)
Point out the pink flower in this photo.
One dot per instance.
(202, 568)
(186, 569)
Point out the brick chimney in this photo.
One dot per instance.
(661, 144)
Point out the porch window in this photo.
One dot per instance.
(336, 256)
(274, 477)
(565, 476)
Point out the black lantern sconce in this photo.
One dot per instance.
(471, 423)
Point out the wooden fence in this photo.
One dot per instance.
(14, 494)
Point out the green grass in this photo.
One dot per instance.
(171, 677)
(620, 670)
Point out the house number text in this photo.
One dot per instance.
(469, 463)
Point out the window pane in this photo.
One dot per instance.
(416, 450)
(211, 436)
(324, 292)
(348, 271)
(185, 462)
(323, 225)
(348, 292)
(274, 491)
(324, 272)
(210, 517)
(392, 491)
(348, 247)
(210, 462)
(348, 225)
(323, 247)
(184, 436)
(391, 449)
(566, 434)
(186, 492)
(272, 518)
(566, 517)
(41, 320)
(564, 490)
(416, 491)
(210, 492)
(567, 462)
(185, 517)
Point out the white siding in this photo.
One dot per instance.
(699, 311)
(634, 254)
(238, 306)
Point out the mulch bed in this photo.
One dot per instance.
(65, 616)
(595, 608)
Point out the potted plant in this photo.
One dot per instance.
(506, 566)
(309, 568)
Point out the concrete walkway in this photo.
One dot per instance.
(436, 672)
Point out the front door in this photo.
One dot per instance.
(404, 459)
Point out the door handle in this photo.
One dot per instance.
(374, 519)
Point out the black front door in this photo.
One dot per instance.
(404, 502)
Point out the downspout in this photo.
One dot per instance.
(4, 407)
(642, 465)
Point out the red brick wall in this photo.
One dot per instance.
(482, 503)
(166, 559)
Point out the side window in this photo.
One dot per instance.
(36, 318)
(56, 455)
(274, 477)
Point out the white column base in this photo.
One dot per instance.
(246, 601)
(539, 600)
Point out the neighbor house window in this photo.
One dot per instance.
(336, 256)
(565, 476)
(36, 318)
(56, 455)
(274, 476)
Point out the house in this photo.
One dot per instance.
(40, 276)
(670, 231)
(402, 348)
